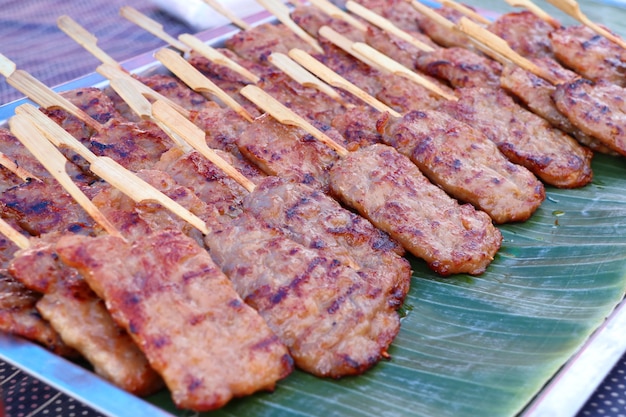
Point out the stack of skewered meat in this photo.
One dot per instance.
(294, 275)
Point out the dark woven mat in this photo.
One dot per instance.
(29, 36)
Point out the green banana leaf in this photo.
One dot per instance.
(476, 346)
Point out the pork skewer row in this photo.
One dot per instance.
(67, 302)
(409, 199)
(329, 354)
(395, 274)
(206, 324)
(428, 246)
(594, 107)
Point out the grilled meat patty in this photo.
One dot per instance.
(388, 189)
(182, 311)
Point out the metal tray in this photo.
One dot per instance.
(563, 396)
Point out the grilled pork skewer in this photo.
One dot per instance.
(594, 108)
(173, 359)
(68, 303)
(403, 204)
(479, 168)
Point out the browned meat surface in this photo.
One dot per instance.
(40, 207)
(317, 221)
(81, 318)
(258, 43)
(525, 33)
(311, 19)
(460, 67)
(358, 124)
(182, 311)
(466, 164)
(222, 127)
(288, 152)
(135, 220)
(334, 322)
(597, 109)
(388, 189)
(536, 94)
(523, 137)
(207, 181)
(396, 48)
(442, 35)
(590, 55)
(400, 12)
(18, 314)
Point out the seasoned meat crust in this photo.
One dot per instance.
(388, 189)
(466, 165)
(182, 311)
(334, 322)
(317, 221)
(81, 318)
(597, 109)
(590, 55)
(460, 67)
(523, 137)
(536, 94)
(526, 33)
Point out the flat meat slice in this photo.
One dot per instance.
(208, 182)
(358, 124)
(258, 43)
(387, 188)
(442, 35)
(396, 48)
(81, 318)
(182, 311)
(317, 221)
(589, 54)
(597, 109)
(288, 152)
(466, 164)
(526, 33)
(536, 94)
(523, 137)
(460, 67)
(400, 12)
(334, 322)
(311, 19)
(19, 316)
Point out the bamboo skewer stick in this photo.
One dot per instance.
(54, 161)
(502, 48)
(381, 61)
(85, 39)
(386, 25)
(283, 14)
(216, 56)
(151, 26)
(109, 170)
(142, 107)
(304, 77)
(197, 81)
(227, 14)
(337, 81)
(466, 11)
(13, 235)
(572, 8)
(335, 12)
(185, 42)
(536, 10)
(196, 138)
(287, 117)
(112, 72)
(42, 94)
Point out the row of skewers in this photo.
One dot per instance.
(324, 284)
